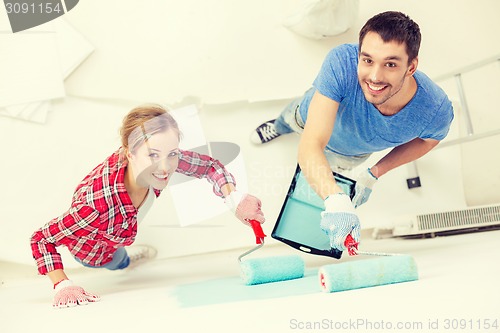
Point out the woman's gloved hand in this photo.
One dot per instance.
(245, 207)
(69, 295)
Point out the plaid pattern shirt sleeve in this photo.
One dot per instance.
(76, 223)
(101, 218)
(203, 166)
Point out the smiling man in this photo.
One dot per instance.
(367, 97)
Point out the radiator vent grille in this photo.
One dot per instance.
(459, 219)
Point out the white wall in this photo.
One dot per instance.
(241, 66)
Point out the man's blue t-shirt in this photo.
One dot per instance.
(359, 127)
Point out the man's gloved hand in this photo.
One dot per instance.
(339, 219)
(246, 207)
(69, 295)
(363, 188)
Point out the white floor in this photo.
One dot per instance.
(458, 285)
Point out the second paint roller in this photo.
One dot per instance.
(271, 269)
(385, 269)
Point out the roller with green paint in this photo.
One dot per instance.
(270, 269)
(386, 268)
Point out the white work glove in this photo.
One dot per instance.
(68, 295)
(363, 188)
(246, 207)
(339, 219)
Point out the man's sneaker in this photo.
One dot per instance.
(139, 254)
(264, 133)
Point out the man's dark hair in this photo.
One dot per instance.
(394, 26)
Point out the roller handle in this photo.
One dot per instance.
(257, 230)
(351, 245)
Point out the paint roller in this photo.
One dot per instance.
(387, 268)
(270, 269)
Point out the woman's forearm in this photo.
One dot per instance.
(57, 275)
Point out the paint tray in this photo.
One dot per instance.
(298, 223)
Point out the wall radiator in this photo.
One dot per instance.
(459, 221)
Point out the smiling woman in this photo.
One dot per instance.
(114, 197)
(150, 143)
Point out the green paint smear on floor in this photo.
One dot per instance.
(232, 289)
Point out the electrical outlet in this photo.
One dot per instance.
(413, 182)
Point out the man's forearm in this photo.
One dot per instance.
(317, 132)
(318, 172)
(403, 154)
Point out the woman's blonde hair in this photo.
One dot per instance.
(142, 122)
